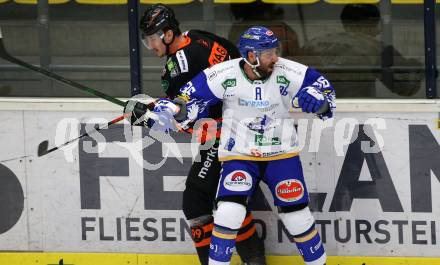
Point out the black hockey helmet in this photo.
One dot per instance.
(158, 17)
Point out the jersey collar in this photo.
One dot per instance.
(184, 41)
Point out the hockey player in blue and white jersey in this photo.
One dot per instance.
(258, 141)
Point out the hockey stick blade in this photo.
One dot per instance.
(6, 56)
(43, 146)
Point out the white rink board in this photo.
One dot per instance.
(106, 202)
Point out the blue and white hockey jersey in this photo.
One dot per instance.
(257, 123)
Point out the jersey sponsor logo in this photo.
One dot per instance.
(238, 180)
(313, 91)
(270, 108)
(286, 68)
(253, 103)
(172, 68)
(250, 36)
(284, 84)
(220, 250)
(228, 94)
(273, 153)
(170, 64)
(165, 85)
(256, 152)
(218, 54)
(210, 157)
(261, 124)
(212, 75)
(281, 79)
(289, 190)
(183, 62)
(316, 248)
(230, 144)
(229, 83)
(262, 140)
(219, 71)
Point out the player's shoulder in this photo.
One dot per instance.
(223, 70)
(192, 57)
(201, 34)
(290, 68)
(200, 40)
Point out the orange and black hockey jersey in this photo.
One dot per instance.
(198, 51)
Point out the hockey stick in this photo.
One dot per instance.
(15, 158)
(43, 146)
(6, 56)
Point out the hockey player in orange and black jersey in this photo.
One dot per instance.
(196, 51)
(187, 55)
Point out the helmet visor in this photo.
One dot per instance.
(151, 41)
(269, 53)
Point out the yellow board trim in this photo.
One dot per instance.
(34, 2)
(168, 2)
(338, 2)
(102, 2)
(38, 258)
(233, 1)
(290, 1)
(254, 158)
(411, 2)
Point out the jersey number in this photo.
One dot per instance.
(218, 54)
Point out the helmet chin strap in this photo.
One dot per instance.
(254, 67)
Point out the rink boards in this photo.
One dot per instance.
(373, 174)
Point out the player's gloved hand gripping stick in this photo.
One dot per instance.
(311, 100)
(160, 118)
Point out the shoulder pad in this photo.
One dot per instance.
(290, 67)
(222, 69)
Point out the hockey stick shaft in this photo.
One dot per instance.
(42, 149)
(6, 56)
